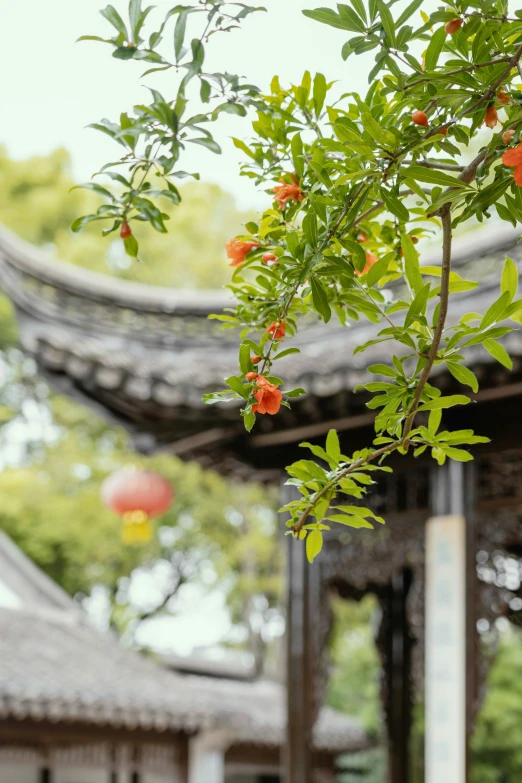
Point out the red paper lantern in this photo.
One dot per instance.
(137, 495)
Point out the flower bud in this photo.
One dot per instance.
(419, 118)
(454, 26)
(491, 117)
(125, 230)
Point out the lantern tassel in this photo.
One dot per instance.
(137, 527)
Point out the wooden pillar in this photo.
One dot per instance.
(302, 580)
(452, 502)
(394, 643)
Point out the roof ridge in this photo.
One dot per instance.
(57, 599)
(33, 261)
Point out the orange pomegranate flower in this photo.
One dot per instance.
(268, 397)
(491, 117)
(237, 251)
(507, 136)
(287, 192)
(503, 97)
(276, 330)
(370, 261)
(513, 157)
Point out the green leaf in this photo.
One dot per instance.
(387, 21)
(179, 33)
(434, 421)
(464, 375)
(377, 271)
(359, 7)
(310, 229)
(432, 176)
(445, 402)
(434, 49)
(296, 146)
(394, 206)
(360, 253)
(351, 18)
(286, 352)
(381, 136)
(242, 146)
(418, 306)
(244, 359)
(333, 448)
(509, 281)
(249, 420)
(382, 369)
(131, 246)
(411, 264)
(496, 311)
(327, 16)
(318, 451)
(235, 384)
(498, 352)
(408, 12)
(506, 214)
(320, 299)
(137, 18)
(112, 16)
(319, 93)
(210, 144)
(461, 455)
(80, 222)
(314, 544)
(351, 521)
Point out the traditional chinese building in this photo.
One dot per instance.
(75, 707)
(144, 357)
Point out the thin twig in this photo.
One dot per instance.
(441, 320)
(464, 69)
(434, 164)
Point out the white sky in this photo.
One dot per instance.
(52, 87)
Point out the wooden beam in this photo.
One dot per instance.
(311, 430)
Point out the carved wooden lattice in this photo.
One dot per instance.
(362, 561)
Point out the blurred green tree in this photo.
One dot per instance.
(37, 203)
(497, 742)
(55, 454)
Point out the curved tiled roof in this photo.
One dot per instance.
(54, 666)
(147, 355)
(64, 671)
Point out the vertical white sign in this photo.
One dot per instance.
(446, 649)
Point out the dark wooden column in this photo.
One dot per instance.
(302, 580)
(395, 645)
(453, 492)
